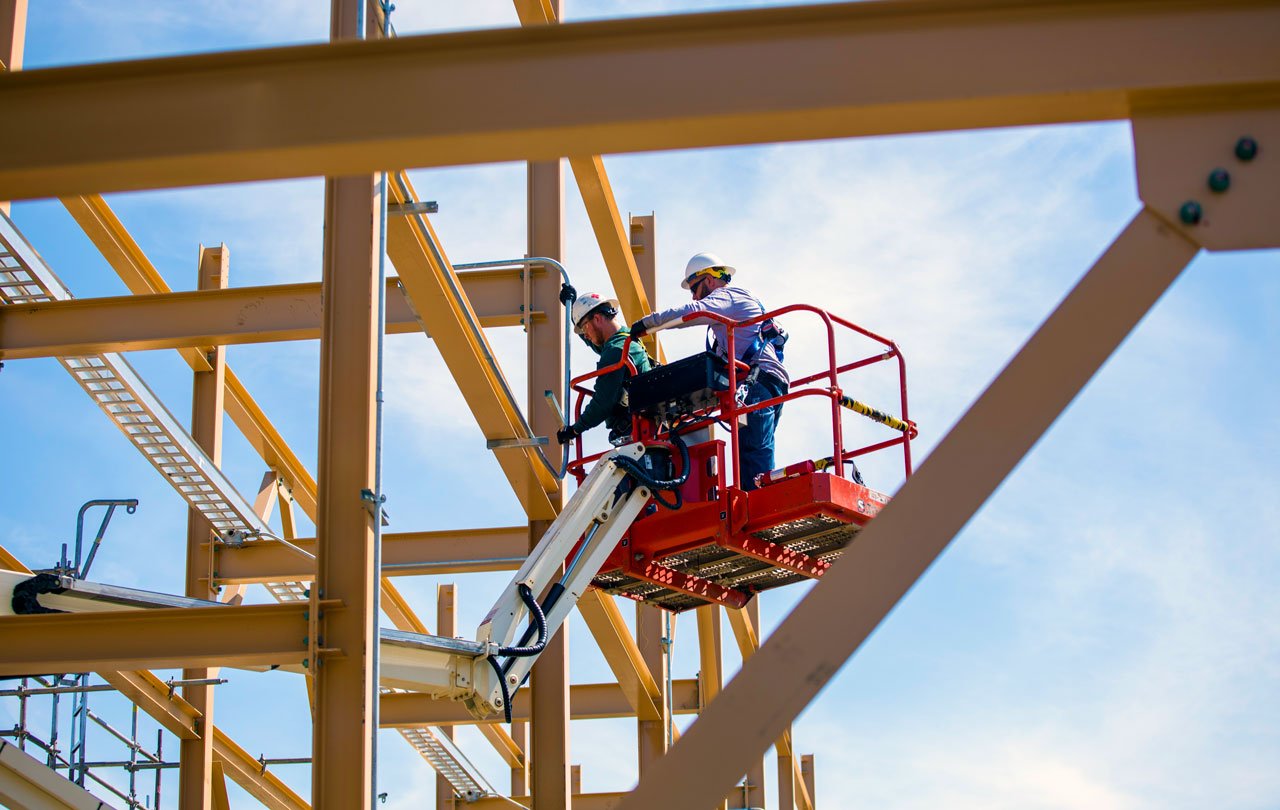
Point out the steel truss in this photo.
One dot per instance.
(1208, 73)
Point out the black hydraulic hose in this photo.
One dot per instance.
(524, 650)
(502, 683)
(656, 485)
(540, 621)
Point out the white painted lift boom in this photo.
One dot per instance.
(482, 673)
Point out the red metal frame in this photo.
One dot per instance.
(718, 512)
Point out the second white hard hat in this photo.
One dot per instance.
(585, 305)
(700, 264)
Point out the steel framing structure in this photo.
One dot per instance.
(1208, 72)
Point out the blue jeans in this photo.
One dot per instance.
(755, 440)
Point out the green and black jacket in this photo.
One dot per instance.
(609, 404)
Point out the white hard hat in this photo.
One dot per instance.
(586, 304)
(703, 262)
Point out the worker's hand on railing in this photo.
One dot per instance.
(639, 330)
(566, 434)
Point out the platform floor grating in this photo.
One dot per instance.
(818, 536)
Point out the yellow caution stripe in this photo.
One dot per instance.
(874, 415)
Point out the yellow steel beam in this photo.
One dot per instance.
(588, 701)
(696, 80)
(620, 651)
(602, 209)
(432, 287)
(615, 245)
(248, 773)
(346, 690)
(181, 719)
(581, 801)
(239, 315)
(403, 554)
(109, 235)
(13, 38)
(195, 774)
(248, 635)
(744, 622)
(503, 743)
(651, 735)
(806, 650)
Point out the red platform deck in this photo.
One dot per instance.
(725, 550)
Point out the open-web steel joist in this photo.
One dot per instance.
(1207, 72)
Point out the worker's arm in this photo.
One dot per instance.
(673, 317)
(608, 391)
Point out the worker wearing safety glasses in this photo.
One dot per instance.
(707, 279)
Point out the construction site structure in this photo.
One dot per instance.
(665, 519)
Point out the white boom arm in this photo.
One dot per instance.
(598, 516)
(445, 668)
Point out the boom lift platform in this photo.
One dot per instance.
(724, 543)
(663, 519)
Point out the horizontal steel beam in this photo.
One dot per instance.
(219, 317)
(581, 801)
(251, 635)
(403, 554)
(695, 80)
(591, 701)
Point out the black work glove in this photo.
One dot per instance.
(568, 294)
(566, 434)
(639, 330)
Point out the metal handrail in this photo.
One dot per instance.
(730, 410)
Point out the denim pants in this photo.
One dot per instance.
(755, 440)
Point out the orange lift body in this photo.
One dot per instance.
(722, 544)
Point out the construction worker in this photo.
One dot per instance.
(595, 319)
(707, 279)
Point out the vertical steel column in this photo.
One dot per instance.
(652, 734)
(710, 668)
(548, 753)
(520, 775)
(447, 627)
(13, 32)
(644, 246)
(343, 736)
(755, 794)
(195, 775)
(13, 37)
(806, 771)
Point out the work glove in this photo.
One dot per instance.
(566, 434)
(568, 294)
(639, 330)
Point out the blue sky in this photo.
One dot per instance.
(1102, 634)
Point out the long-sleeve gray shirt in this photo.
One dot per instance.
(735, 304)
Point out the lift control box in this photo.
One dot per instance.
(686, 386)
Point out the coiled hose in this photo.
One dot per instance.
(524, 649)
(540, 622)
(658, 485)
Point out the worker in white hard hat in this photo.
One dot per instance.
(707, 278)
(595, 319)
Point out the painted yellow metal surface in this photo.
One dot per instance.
(435, 292)
(764, 75)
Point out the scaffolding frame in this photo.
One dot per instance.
(1207, 77)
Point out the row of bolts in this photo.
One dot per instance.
(1219, 181)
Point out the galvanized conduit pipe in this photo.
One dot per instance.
(568, 325)
(478, 333)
